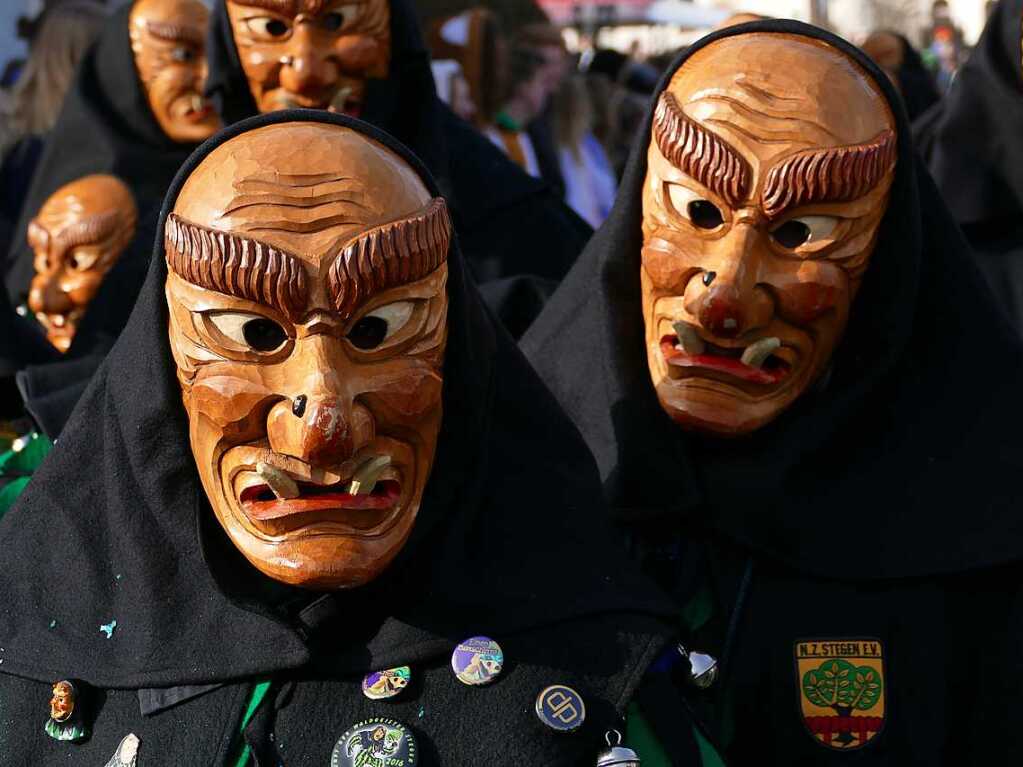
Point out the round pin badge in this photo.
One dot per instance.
(380, 685)
(477, 661)
(373, 742)
(561, 708)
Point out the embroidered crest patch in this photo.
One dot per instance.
(841, 690)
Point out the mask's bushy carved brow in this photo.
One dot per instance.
(700, 154)
(838, 174)
(236, 266)
(393, 254)
(174, 33)
(87, 231)
(286, 7)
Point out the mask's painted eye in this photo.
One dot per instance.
(702, 213)
(252, 330)
(81, 260)
(268, 27)
(183, 54)
(380, 324)
(800, 231)
(341, 17)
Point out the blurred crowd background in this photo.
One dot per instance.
(559, 85)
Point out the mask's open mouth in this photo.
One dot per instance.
(763, 361)
(281, 502)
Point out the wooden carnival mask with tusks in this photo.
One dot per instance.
(308, 322)
(314, 54)
(168, 40)
(769, 168)
(77, 236)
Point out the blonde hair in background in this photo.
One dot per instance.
(573, 114)
(67, 31)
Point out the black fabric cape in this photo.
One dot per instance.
(509, 222)
(970, 143)
(508, 542)
(882, 505)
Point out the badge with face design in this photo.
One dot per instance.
(477, 661)
(380, 685)
(66, 720)
(315, 54)
(769, 166)
(168, 41)
(77, 236)
(308, 321)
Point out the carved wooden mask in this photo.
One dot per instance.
(308, 321)
(315, 54)
(77, 236)
(168, 40)
(769, 168)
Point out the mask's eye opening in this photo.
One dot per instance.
(263, 335)
(375, 327)
(705, 214)
(791, 234)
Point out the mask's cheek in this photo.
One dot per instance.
(237, 406)
(669, 265)
(811, 290)
(404, 398)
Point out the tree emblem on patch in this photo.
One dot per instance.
(841, 690)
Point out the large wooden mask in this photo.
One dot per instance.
(308, 320)
(77, 236)
(769, 168)
(314, 54)
(168, 40)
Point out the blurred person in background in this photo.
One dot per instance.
(527, 97)
(971, 144)
(61, 37)
(903, 64)
(589, 179)
(619, 91)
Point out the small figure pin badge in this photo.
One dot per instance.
(477, 661)
(380, 685)
(66, 721)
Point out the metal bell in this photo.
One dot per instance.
(703, 668)
(617, 755)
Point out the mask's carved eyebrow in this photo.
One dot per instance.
(286, 7)
(392, 254)
(838, 174)
(89, 230)
(236, 266)
(700, 154)
(175, 33)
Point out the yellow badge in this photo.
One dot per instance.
(841, 690)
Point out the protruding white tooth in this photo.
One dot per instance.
(197, 102)
(283, 486)
(340, 100)
(366, 476)
(688, 338)
(756, 353)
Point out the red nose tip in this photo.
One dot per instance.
(722, 314)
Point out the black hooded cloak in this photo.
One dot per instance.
(970, 142)
(883, 504)
(122, 578)
(916, 83)
(509, 223)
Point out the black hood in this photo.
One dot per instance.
(908, 456)
(105, 126)
(971, 140)
(115, 525)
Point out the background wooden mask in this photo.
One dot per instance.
(77, 236)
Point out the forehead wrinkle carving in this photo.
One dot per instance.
(89, 229)
(314, 207)
(174, 33)
(837, 174)
(286, 7)
(789, 126)
(235, 266)
(699, 153)
(392, 254)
